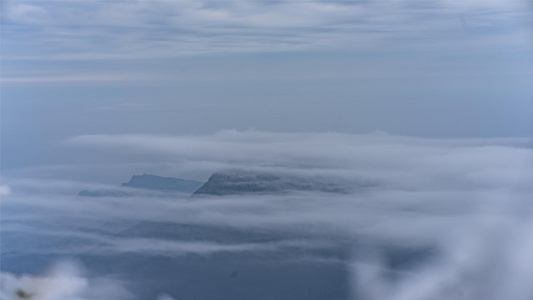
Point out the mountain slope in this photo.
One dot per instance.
(164, 184)
(246, 182)
(148, 183)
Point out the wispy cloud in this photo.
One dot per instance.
(106, 37)
(409, 174)
(63, 281)
(148, 29)
(338, 155)
(97, 78)
(469, 198)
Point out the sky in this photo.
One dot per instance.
(425, 107)
(444, 69)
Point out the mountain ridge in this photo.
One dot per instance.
(147, 182)
(234, 182)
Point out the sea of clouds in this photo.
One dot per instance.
(469, 198)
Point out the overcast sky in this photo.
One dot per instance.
(441, 69)
(427, 103)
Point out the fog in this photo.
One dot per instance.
(468, 200)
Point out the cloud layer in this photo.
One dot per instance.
(469, 198)
(105, 31)
(122, 30)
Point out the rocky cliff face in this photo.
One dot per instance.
(245, 182)
(148, 183)
(164, 184)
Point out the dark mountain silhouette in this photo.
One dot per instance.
(146, 182)
(237, 182)
(164, 184)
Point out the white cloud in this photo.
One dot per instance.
(26, 13)
(63, 281)
(5, 190)
(428, 163)
(150, 29)
(470, 197)
(94, 78)
(420, 178)
(138, 35)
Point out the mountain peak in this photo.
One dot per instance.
(159, 183)
(250, 182)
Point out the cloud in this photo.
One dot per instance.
(147, 42)
(89, 78)
(148, 29)
(26, 13)
(487, 261)
(469, 198)
(107, 241)
(337, 155)
(5, 190)
(155, 247)
(123, 106)
(413, 179)
(63, 281)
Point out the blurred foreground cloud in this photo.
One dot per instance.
(64, 281)
(5, 190)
